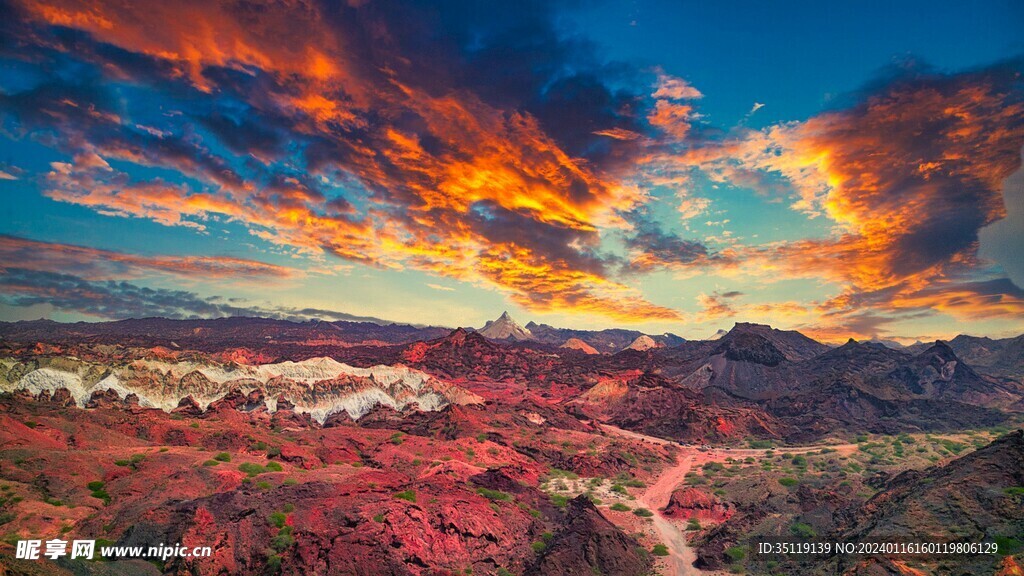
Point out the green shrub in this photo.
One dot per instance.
(408, 495)
(282, 541)
(643, 512)
(693, 524)
(788, 481)
(1007, 545)
(559, 500)
(95, 485)
(620, 507)
(251, 468)
(736, 553)
(660, 550)
(211, 463)
(494, 494)
(223, 457)
(274, 467)
(379, 518)
(567, 474)
(538, 546)
(278, 519)
(101, 494)
(803, 531)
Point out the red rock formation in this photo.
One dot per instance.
(686, 503)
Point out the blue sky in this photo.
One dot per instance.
(588, 166)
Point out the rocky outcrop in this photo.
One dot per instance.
(318, 387)
(590, 544)
(686, 503)
(652, 405)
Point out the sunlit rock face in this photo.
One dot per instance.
(319, 387)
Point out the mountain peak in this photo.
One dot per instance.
(505, 328)
(643, 342)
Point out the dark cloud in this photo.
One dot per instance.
(652, 248)
(120, 300)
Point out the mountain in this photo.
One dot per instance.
(505, 328)
(793, 345)
(608, 340)
(280, 336)
(644, 342)
(975, 498)
(717, 335)
(577, 344)
(1003, 357)
(864, 386)
(816, 390)
(650, 404)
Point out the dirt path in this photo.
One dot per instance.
(681, 555)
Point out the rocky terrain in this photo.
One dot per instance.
(425, 451)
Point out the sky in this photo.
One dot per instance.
(847, 169)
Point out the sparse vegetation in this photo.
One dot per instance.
(251, 469)
(494, 494)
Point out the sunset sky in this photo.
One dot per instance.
(845, 169)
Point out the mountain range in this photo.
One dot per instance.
(359, 448)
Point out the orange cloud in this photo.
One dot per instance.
(909, 176)
(287, 38)
(431, 158)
